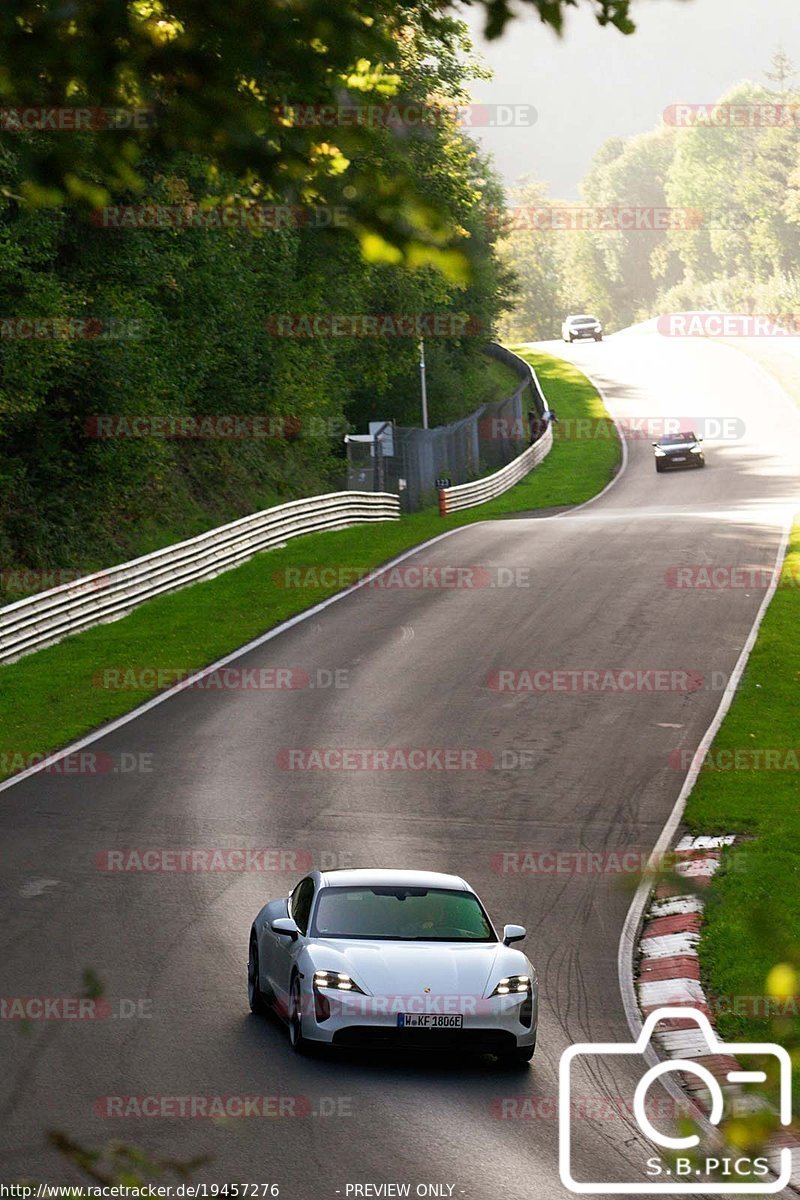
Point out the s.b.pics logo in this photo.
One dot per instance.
(678, 1163)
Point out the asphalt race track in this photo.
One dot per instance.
(563, 771)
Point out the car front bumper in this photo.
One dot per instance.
(470, 1041)
(490, 1025)
(688, 460)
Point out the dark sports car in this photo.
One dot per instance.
(679, 450)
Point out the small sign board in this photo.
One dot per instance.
(443, 482)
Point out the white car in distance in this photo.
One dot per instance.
(581, 327)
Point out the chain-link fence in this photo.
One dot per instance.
(408, 461)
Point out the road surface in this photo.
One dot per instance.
(572, 772)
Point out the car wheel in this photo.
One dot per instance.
(659, 467)
(257, 999)
(598, 337)
(298, 1042)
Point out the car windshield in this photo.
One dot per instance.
(405, 914)
(584, 320)
(677, 439)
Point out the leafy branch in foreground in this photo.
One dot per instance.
(160, 77)
(120, 1163)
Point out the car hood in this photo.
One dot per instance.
(447, 968)
(678, 447)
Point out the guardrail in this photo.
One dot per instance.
(486, 440)
(49, 616)
(467, 495)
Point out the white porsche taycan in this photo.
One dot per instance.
(392, 959)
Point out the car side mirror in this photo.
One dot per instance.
(513, 933)
(654, 443)
(286, 927)
(699, 439)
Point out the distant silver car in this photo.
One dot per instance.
(580, 327)
(392, 960)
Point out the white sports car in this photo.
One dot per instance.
(392, 959)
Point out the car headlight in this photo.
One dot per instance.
(697, 450)
(660, 453)
(513, 985)
(336, 980)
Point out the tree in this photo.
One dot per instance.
(533, 251)
(737, 177)
(624, 259)
(165, 76)
(782, 70)
(200, 298)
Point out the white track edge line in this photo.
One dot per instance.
(633, 920)
(202, 672)
(636, 910)
(263, 638)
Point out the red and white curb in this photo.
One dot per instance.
(669, 975)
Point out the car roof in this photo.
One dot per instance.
(582, 317)
(364, 877)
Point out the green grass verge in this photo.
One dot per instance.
(51, 697)
(496, 382)
(752, 917)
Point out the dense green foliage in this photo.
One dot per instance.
(718, 211)
(219, 78)
(211, 109)
(187, 314)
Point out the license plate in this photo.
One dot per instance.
(678, 458)
(430, 1020)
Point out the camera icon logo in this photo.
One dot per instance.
(676, 1181)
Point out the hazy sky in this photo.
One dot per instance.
(593, 83)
